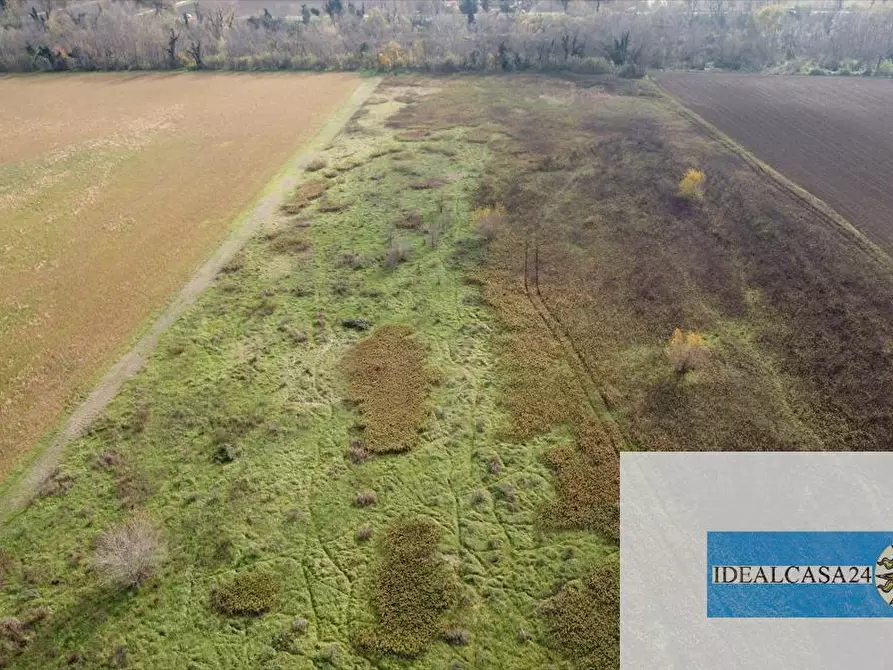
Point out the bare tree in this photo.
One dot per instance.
(221, 20)
(172, 52)
(129, 553)
(195, 52)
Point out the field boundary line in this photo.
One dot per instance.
(19, 493)
(812, 201)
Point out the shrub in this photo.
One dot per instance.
(426, 184)
(495, 464)
(357, 452)
(365, 499)
(686, 352)
(488, 221)
(412, 221)
(691, 186)
(304, 195)
(316, 164)
(398, 252)
(331, 654)
(353, 260)
(234, 264)
(57, 484)
(286, 241)
(432, 238)
(327, 205)
(364, 534)
(356, 323)
(107, 460)
(631, 71)
(458, 637)
(129, 553)
(246, 594)
(16, 633)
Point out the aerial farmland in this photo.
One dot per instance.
(113, 190)
(335, 368)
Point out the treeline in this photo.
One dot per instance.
(436, 35)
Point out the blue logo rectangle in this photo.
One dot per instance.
(799, 574)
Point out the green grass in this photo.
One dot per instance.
(235, 440)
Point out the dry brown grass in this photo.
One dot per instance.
(304, 194)
(288, 240)
(316, 164)
(793, 307)
(110, 201)
(246, 594)
(412, 588)
(585, 620)
(388, 380)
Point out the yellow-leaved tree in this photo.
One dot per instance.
(691, 187)
(391, 56)
(686, 351)
(489, 220)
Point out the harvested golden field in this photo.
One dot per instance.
(113, 188)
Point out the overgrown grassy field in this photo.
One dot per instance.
(389, 435)
(256, 441)
(113, 189)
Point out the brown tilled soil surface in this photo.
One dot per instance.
(112, 190)
(600, 248)
(831, 135)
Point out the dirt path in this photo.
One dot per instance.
(22, 491)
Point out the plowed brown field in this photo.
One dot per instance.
(112, 190)
(831, 135)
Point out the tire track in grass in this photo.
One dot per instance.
(582, 372)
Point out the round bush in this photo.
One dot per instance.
(247, 594)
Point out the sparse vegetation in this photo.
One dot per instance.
(304, 194)
(592, 263)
